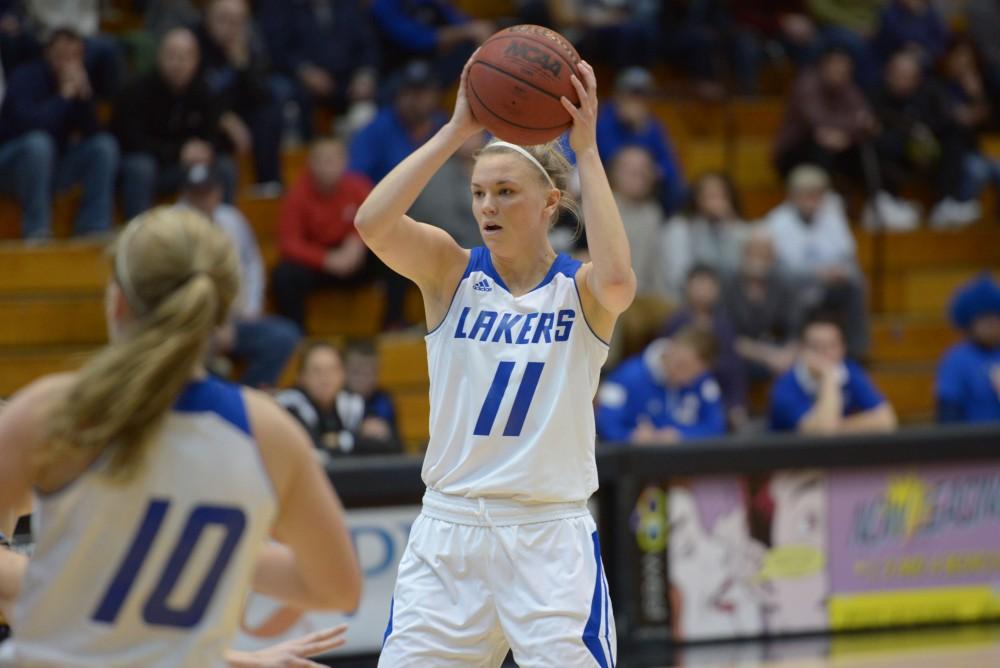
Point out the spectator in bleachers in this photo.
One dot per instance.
(444, 201)
(693, 36)
(50, 139)
(235, 70)
(782, 23)
(703, 309)
(162, 16)
(319, 246)
(709, 231)
(401, 127)
(966, 170)
(103, 57)
(17, 43)
(762, 306)
(326, 49)
(914, 25)
(968, 377)
(632, 175)
(361, 360)
(827, 119)
(816, 251)
(915, 128)
(619, 33)
(627, 119)
(983, 26)
(431, 30)
(333, 416)
(664, 395)
(263, 343)
(825, 393)
(849, 25)
(166, 121)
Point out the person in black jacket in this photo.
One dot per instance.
(236, 70)
(50, 139)
(336, 418)
(168, 120)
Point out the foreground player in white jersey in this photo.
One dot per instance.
(155, 488)
(505, 553)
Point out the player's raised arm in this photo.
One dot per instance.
(420, 252)
(608, 277)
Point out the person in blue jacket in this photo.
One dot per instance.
(826, 393)
(968, 377)
(627, 120)
(664, 395)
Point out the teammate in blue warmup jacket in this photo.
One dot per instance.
(664, 395)
(968, 378)
(825, 393)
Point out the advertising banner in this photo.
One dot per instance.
(921, 544)
(380, 536)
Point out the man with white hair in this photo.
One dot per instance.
(815, 249)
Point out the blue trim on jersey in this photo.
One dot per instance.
(388, 626)
(212, 395)
(480, 259)
(583, 312)
(592, 631)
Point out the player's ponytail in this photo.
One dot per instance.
(179, 275)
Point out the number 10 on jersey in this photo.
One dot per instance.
(522, 400)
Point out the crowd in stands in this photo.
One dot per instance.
(886, 100)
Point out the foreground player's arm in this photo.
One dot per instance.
(608, 278)
(425, 254)
(22, 433)
(315, 566)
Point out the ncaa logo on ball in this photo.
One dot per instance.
(534, 55)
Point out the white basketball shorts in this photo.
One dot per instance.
(479, 577)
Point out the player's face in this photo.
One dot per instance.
(509, 202)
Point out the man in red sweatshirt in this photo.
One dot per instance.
(319, 246)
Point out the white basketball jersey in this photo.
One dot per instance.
(512, 380)
(152, 572)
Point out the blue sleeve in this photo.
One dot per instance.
(785, 411)
(406, 32)
(617, 405)
(666, 158)
(607, 135)
(711, 421)
(864, 395)
(381, 406)
(365, 151)
(948, 388)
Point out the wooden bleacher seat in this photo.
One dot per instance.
(910, 339)
(909, 388)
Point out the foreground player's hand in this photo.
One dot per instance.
(292, 653)
(583, 136)
(462, 119)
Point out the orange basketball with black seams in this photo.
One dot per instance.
(516, 80)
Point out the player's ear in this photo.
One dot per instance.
(552, 199)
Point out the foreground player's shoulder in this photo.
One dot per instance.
(284, 444)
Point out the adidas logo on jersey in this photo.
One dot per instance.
(483, 286)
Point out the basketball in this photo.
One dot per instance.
(515, 82)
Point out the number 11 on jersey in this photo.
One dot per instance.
(522, 400)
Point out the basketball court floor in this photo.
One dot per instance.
(955, 647)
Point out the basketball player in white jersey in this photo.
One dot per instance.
(505, 552)
(155, 488)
